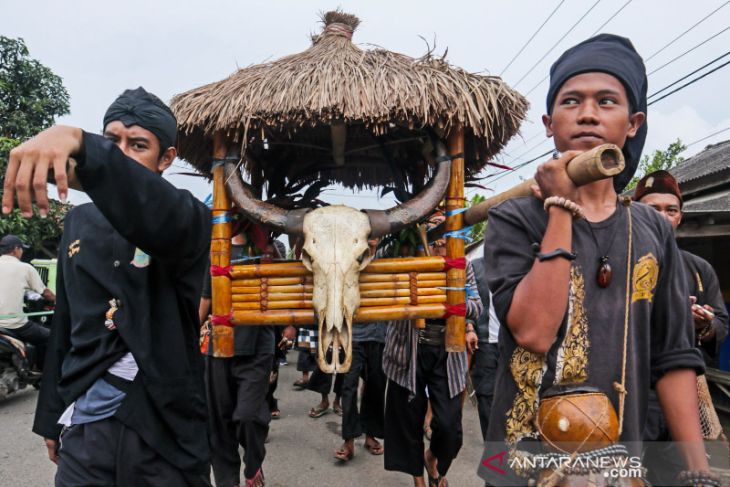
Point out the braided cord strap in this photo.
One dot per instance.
(621, 387)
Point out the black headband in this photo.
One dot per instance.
(138, 107)
(614, 55)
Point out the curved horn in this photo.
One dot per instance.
(288, 221)
(383, 222)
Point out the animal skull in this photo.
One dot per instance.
(336, 250)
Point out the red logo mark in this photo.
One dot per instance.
(488, 462)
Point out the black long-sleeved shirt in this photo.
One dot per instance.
(704, 285)
(104, 255)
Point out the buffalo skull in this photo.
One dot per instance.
(336, 249)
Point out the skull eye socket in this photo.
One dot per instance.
(363, 256)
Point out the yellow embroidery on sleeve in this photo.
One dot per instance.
(645, 277)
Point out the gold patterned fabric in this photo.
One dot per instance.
(572, 361)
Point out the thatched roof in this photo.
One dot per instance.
(284, 113)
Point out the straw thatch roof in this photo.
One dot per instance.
(339, 113)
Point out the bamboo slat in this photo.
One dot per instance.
(274, 281)
(245, 298)
(372, 286)
(293, 303)
(364, 278)
(364, 315)
(432, 284)
(455, 339)
(385, 293)
(405, 264)
(367, 302)
(378, 266)
(290, 297)
(285, 269)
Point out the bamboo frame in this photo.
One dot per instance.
(455, 339)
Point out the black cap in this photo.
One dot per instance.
(614, 55)
(9, 242)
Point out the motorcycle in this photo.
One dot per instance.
(18, 362)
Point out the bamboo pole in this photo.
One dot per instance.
(298, 317)
(274, 281)
(385, 293)
(455, 339)
(379, 286)
(378, 266)
(405, 264)
(604, 161)
(221, 338)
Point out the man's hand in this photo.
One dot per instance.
(28, 166)
(52, 446)
(288, 336)
(290, 333)
(553, 180)
(703, 315)
(472, 342)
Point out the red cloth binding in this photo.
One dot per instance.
(222, 320)
(216, 271)
(455, 310)
(458, 263)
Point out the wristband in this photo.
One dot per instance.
(554, 254)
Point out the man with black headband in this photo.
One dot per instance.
(123, 382)
(586, 285)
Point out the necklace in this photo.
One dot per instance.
(604, 274)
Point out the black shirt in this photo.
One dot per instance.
(588, 348)
(704, 285)
(144, 243)
(247, 340)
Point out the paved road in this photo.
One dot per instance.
(299, 451)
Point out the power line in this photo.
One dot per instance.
(688, 83)
(594, 33)
(532, 37)
(520, 166)
(559, 41)
(688, 75)
(686, 31)
(706, 137)
(688, 51)
(542, 142)
(611, 18)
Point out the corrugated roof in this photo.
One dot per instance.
(711, 203)
(713, 159)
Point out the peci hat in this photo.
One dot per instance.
(9, 242)
(658, 182)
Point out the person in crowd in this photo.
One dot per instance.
(660, 190)
(17, 277)
(586, 285)
(123, 380)
(414, 359)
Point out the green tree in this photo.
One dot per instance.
(660, 160)
(477, 230)
(31, 97)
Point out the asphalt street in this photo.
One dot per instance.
(299, 451)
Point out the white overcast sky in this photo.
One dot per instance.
(101, 48)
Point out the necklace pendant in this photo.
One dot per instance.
(604, 274)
